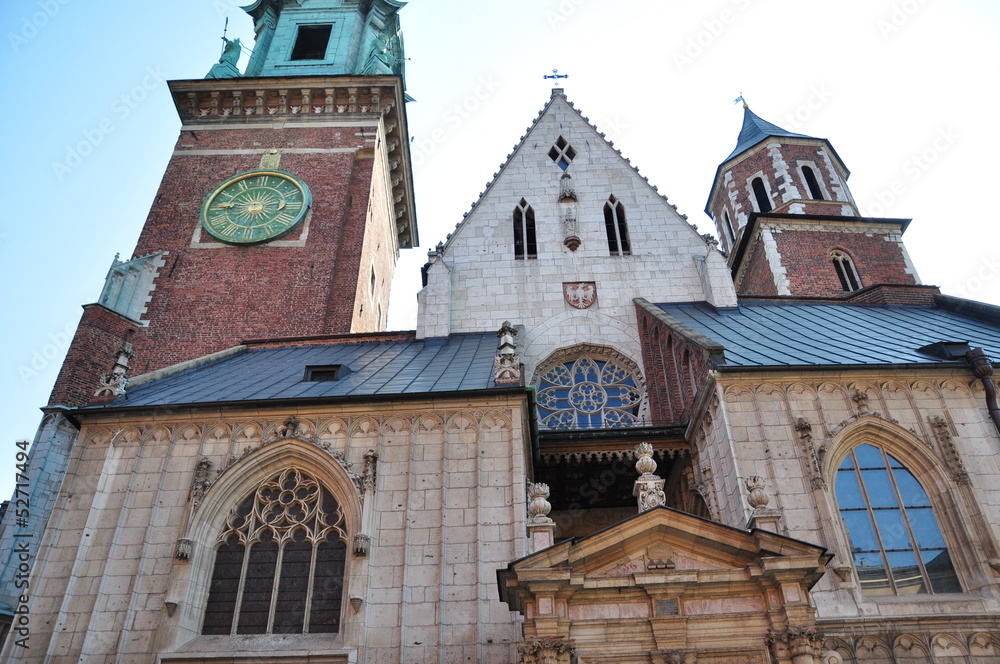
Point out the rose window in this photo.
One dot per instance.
(588, 393)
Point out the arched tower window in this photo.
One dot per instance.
(814, 191)
(896, 543)
(525, 245)
(846, 272)
(760, 193)
(614, 223)
(588, 391)
(279, 563)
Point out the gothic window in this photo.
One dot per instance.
(760, 193)
(562, 153)
(814, 191)
(844, 266)
(614, 223)
(524, 231)
(279, 563)
(896, 543)
(311, 42)
(588, 391)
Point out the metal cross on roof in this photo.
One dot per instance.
(555, 75)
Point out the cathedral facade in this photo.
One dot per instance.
(640, 446)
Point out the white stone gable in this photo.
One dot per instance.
(475, 282)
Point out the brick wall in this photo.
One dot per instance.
(91, 354)
(675, 368)
(210, 296)
(805, 256)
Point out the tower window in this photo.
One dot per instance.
(617, 229)
(311, 42)
(760, 193)
(562, 153)
(730, 231)
(812, 183)
(279, 565)
(525, 245)
(896, 544)
(848, 276)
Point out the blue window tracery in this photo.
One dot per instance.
(588, 392)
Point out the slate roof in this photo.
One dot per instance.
(778, 334)
(458, 363)
(756, 129)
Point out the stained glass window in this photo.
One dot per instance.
(588, 392)
(279, 566)
(895, 540)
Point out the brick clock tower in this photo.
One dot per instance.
(786, 217)
(281, 214)
(283, 207)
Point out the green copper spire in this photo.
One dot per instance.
(324, 37)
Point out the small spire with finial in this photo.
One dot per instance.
(741, 99)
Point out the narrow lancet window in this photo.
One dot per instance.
(525, 245)
(848, 276)
(617, 229)
(814, 191)
(760, 193)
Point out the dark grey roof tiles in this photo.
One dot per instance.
(772, 334)
(756, 129)
(458, 363)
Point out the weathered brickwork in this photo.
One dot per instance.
(805, 256)
(676, 369)
(779, 165)
(91, 354)
(758, 278)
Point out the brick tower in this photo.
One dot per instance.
(786, 217)
(281, 214)
(283, 208)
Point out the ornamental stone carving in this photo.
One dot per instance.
(507, 363)
(538, 505)
(648, 488)
(547, 650)
(758, 498)
(113, 384)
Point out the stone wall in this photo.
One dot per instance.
(125, 565)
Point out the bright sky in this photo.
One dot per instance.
(904, 89)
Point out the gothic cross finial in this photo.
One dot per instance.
(555, 75)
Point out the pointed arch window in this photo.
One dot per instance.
(896, 543)
(846, 272)
(760, 193)
(730, 229)
(814, 191)
(617, 228)
(525, 245)
(279, 564)
(588, 391)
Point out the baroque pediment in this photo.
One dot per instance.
(664, 546)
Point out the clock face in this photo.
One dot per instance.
(255, 207)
